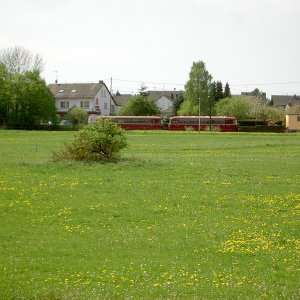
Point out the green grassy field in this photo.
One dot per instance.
(182, 216)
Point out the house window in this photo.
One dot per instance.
(105, 105)
(84, 104)
(64, 104)
(103, 93)
(298, 118)
(113, 109)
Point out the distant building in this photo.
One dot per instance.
(281, 100)
(94, 98)
(121, 100)
(256, 93)
(165, 100)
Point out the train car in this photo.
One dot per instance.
(219, 123)
(137, 122)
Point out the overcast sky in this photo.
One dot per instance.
(249, 43)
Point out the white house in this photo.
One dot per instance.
(165, 100)
(94, 98)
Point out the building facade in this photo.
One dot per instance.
(94, 98)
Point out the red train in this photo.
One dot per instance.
(220, 123)
(137, 122)
(176, 123)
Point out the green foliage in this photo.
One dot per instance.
(77, 116)
(98, 141)
(177, 103)
(187, 108)
(29, 101)
(262, 110)
(4, 96)
(227, 92)
(239, 107)
(139, 106)
(219, 90)
(25, 100)
(198, 87)
(143, 91)
(244, 108)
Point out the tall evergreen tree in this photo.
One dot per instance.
(227, 92)
(219, 91)
(143, 91)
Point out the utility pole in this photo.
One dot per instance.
(199, 121)
(209, 99)
(110, 91)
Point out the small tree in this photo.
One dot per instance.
(77, 116)
(98, 141)
(139, 106)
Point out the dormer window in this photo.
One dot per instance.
(61, 91)
(73, 91)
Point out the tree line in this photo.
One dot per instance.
(25, 99)
(203, 96)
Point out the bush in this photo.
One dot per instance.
(98, 141)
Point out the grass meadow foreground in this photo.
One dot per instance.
(182, 216)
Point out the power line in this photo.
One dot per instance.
(271, 83)
(241, 84)
(151, 82)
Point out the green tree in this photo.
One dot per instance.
(176, 104)
(4, 95)
(227, 92)
(77, 116)
(238, 107)
(244, 108)
(198, 89)
(219, 91)
(139, 106)
(143, 91)
(25, 99)
(30, 101)
(187, 108)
